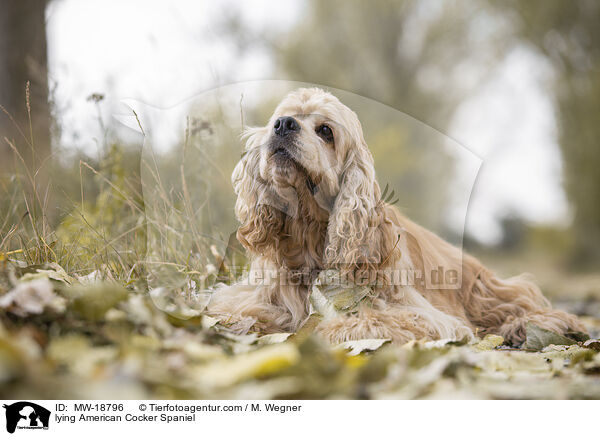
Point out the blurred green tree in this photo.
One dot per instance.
(398, 52)
(568, 35)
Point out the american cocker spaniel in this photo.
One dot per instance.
(308, 202)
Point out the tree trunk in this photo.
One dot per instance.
(23, 59)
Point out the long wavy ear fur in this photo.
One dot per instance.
(255, 207)
(359, 239)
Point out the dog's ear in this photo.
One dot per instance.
(358, 238)
(260, 221)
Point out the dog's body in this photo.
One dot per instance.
(308, 201)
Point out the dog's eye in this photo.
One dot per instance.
(325, 132)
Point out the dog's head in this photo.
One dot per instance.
(311, 163)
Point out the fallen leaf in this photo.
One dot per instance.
(32, 297)
(594, 344)
(358, 346)
(489, 342)
(274, 338)
(332, 295)
(208, 322)
(51, 271)
(92, 302)
(539, 338)
(173, 303)
(262, 362)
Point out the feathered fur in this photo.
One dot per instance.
(319, 207)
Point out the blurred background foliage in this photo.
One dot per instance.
(569, 37)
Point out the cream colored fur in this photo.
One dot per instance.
(322, 209)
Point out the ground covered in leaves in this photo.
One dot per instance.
(80, 337)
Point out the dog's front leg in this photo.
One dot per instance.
(265, 301)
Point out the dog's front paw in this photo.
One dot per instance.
(514, 330)
(400, 327)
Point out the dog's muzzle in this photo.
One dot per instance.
(285, 125)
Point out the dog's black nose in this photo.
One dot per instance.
(285, 125)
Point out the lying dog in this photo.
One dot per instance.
(308, 201)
